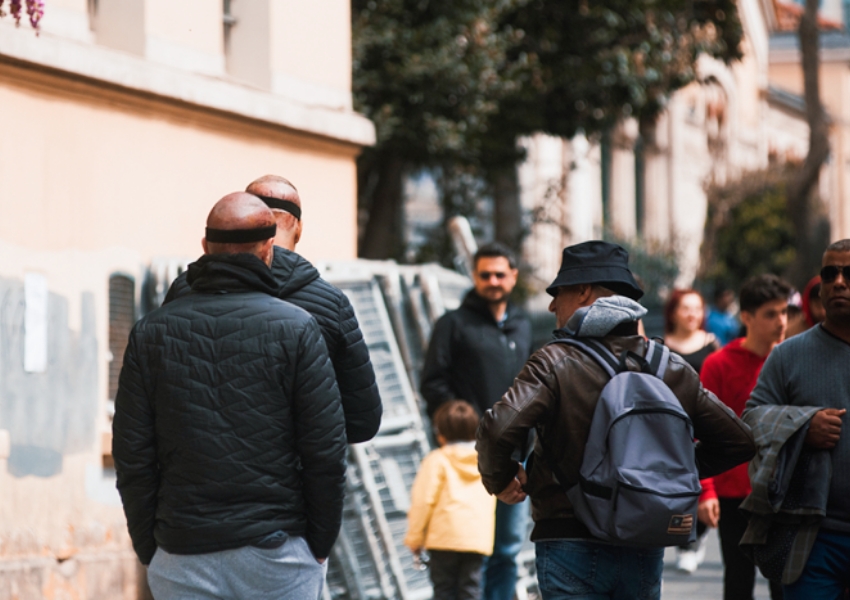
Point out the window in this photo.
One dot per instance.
(122, 316)
(229, 21)
(92, 11)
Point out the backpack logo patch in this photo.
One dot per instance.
(680, 524)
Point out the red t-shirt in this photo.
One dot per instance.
(731, 373)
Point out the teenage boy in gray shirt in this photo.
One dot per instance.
(813, 370)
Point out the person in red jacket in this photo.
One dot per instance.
(731, 373)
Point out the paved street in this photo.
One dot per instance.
(707, 582)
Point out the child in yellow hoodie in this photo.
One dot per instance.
(451, 514)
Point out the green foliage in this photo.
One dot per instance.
(756, 234)
(597, 61)
(436, 76)
(430, 73)
(451, 84)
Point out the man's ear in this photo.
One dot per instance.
(746, 318)
(585, 294)
(267, 251)
(204, 245)
(298, 232)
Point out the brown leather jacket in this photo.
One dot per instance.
(556, 394)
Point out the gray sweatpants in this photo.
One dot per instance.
(289, 572)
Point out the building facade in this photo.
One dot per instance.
(787, 74)
(121, 125)
(734, 119)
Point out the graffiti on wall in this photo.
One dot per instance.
(52, 413)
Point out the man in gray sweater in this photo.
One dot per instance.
(813, 370)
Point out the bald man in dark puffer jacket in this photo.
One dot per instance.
(229, 435)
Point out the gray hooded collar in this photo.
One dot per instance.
(598, 319)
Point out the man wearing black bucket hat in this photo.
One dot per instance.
(594, 296)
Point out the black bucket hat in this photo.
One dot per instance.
(597, 262)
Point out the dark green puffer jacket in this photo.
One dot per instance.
(228, 423)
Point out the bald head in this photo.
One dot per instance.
(244, 212)
(288, 226)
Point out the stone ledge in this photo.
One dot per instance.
(135, 74)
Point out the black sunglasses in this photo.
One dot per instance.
(830, 273)
(486, 275)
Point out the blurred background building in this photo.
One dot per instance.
(650, 181)
(120, 126)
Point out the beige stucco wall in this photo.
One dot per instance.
(79, 6)
(92, 182)
(113, 170)
(296, 49)
(189, 23)
(65, 543)
(187, 34)
(110, 159)
(304, 33)
(68, 19)
(62, 534)
(300, 58)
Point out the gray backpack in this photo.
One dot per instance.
(638, 482)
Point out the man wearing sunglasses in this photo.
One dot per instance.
(808, 378)
(474, 354)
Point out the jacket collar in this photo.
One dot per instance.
(292, 271)
(472, 301)
(606, 316)
(224, 273)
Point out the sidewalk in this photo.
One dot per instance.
(707, 582)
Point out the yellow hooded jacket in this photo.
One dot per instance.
(450, 509)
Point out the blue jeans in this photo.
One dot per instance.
(500, 569)
(827, 572)
(582, 570)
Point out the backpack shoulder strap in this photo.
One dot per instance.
(658, 356)
(596, 349)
